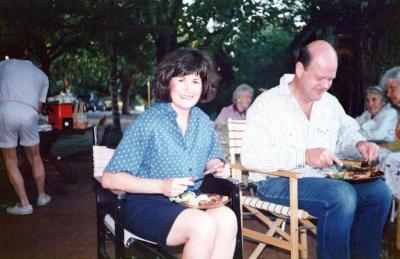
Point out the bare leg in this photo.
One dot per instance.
(197, 230)
(210, 234)
(225, 240)
(34, 158)
(14, 174)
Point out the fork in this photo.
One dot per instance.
(209, 171)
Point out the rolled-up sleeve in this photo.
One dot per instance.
(214, 150)
(348, 136)
(131, 150)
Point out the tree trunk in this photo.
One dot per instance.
(166, 38)
(113, 85)
(126, 82)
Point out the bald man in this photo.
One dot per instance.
(299, 126)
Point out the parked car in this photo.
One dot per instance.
(108, 103)
(92, 103)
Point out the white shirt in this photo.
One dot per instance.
(21, 81)
(381, 127)
(278, 132)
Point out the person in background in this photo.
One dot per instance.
(379, 121)
(23, 89)
(161, 154)
(299, 126)
(241, 100)
(391, 82)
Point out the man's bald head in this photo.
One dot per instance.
(315, 71)
(316, 49)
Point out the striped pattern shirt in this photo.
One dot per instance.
(278, 132)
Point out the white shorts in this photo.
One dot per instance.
(18, 120)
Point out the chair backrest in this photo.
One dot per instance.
(101, 156)
(235, 135)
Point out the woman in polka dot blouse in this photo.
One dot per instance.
(163, 151)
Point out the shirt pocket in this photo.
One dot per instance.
(291, 136)
(324, 134)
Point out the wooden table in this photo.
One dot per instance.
(47, 140)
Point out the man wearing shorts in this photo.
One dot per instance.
(23, 89)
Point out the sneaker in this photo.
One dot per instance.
(18, 210)
(43, 200)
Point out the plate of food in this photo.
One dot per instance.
(356, 176)
(201, 201)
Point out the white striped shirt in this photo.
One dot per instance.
(278, 132)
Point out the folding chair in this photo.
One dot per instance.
(275, 236)
(110, 222)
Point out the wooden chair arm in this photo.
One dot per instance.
(282, 173)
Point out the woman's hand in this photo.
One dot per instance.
(224, 171)
(171, 187)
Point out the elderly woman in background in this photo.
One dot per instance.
(391, 82)
(242, 98)
(379, 121)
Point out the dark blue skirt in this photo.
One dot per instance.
(150, 216)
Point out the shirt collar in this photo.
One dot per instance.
(284, 84)
(167, 109)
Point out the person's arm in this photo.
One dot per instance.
(128, 183)
(348, 135)
(43, 93)
(215, 158)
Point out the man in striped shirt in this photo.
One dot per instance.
(299, 126)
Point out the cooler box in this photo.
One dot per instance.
(60, 115)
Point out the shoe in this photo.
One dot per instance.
(18, 210)
(43, 200)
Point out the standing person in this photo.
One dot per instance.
(241, 100)
(161, 153)
(23, 89)
(378, 121)
(298, 126)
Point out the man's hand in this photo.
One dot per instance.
(320, 158)
(368, 150)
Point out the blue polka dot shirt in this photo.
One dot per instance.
(154, 147)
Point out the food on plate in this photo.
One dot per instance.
(354, 174)
(190, 199)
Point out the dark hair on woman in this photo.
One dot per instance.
(183, 62)
(304, 57)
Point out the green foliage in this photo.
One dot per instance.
(139, 101)
(245, 37)
(257, 52)
(89, 66)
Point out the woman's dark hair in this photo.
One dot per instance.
(183, 62)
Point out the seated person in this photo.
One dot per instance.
(391, 82)
(299, 126)
(163, 151)
(242, 98)
(379, 121)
